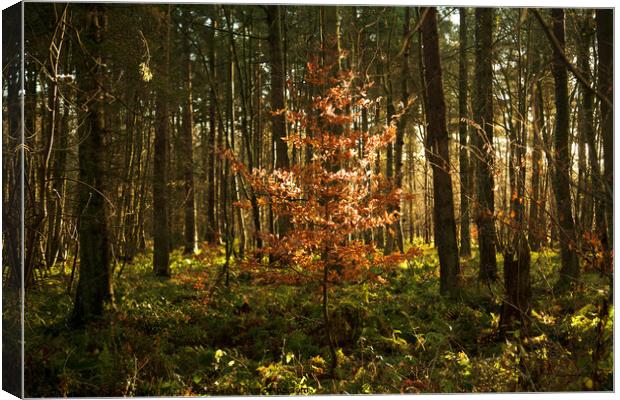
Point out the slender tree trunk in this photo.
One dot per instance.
(379, 231)
(236, 217)
(176, 179)
(326, 319)
(483, 115)
(400, 132)
(277, 99)
(604, 37)
(135, 176)
(412, 188)
(14, 204)
(258, 145)
(389, 173)
(561, 182)
(161, 229)
(368, 233)
(438, 155)
(246, 140)
(55, 221)
(517, 284)
(211, 145)
(145, 141)
(188, 163)
(591, 183)
(547, 207)
(535, 228)
(12, 174)
(49, 159)
(465, 250)
(428, 228)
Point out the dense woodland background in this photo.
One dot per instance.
(225, 199)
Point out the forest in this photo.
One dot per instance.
(221, 199)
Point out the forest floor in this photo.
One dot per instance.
(263, 336)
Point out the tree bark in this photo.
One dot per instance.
(535, 228)
(188, 163)
(94, 285)
(465, 250)
(400, 132)
(604, 37)
(517, 305)
(438, 155)
(561, 182)
(161, 229)
(330, 38)
(483, 115)
(591, 183)
(428, 228)
(389, 173)
(210, 167)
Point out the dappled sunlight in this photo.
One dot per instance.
(285, 199)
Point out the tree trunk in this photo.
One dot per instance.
(379, 235)
(13, 199)
(561, 182)
(483, 115)
(400, 132)
(591, 184)
(428, 228)
(465, 250)
(438, 155)
(246, 140)
(12, 153)
(56, 240)
(389, 174)
(517, 282)
(604, 37)
(330, 38)
(188, 163)
(517, 305)
(277, 99)
(535, 225)
(210, 167)
(585, 198)
(161, 229)
(94, 285)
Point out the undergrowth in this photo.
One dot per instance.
(188, 336)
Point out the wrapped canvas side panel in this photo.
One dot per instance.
(12, 200)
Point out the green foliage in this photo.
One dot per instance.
(168, 337)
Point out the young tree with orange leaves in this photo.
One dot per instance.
(336, 197)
